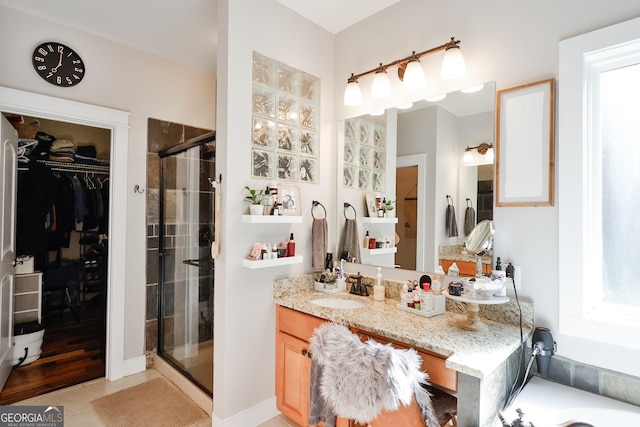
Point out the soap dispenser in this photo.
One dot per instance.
(378, 288)
(453, 270)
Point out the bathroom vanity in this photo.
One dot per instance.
(476, 367)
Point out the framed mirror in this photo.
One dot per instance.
(413, 156)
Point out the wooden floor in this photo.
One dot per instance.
(72, 353)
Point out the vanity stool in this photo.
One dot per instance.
(369, 382)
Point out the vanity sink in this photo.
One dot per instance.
(337, 303)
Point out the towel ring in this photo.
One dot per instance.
(317, 203)
(449, 197)
(469, 204)
(346, 206)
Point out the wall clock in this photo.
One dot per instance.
(58, 64)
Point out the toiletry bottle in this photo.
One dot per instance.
(498, 264)
(426, 301)
(366, 240)
(453, 270)
(378, 289)
(416, 298)
(410, 298)
(274, 252)
(438, 280)
(291, 246)
(403, 293)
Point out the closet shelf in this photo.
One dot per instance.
(272, 219)
(264, 263)
(75, 167)
(373, 220)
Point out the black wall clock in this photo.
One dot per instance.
(58, 64)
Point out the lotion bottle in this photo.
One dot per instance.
(378, 289)
(403, 293)
(291, 246)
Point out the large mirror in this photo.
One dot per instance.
(430, 160)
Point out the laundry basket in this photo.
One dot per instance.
(27, 130)
(27, 342)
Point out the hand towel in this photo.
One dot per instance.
(350, 242)
(319, 410)
(451, 225)
(319, 235)
(469, 220)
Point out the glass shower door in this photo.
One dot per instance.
(186, 279)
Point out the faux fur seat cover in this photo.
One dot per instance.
(359, 380)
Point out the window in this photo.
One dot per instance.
(599, 192)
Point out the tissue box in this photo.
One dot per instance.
(24, 264)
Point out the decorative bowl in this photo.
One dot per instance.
(483, 288)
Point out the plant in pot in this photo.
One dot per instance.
(255, 200)
(388, 206)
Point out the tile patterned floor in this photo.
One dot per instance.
(279, 421)
(76, 400)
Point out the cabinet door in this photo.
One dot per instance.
(433, 364)
(293, 367)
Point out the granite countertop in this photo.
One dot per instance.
(476, 354)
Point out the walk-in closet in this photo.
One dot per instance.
(62, 237)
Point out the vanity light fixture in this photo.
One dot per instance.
(409, 71)
(483, 149)
(381, 87)
(376, 113)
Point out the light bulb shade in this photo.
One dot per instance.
(468, 157)
(453, 64)
(489, 156)
(381, 87)
(413, 76)
(353, 94)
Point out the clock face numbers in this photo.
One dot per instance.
(58, 64)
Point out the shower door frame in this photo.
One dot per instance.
(176, 149)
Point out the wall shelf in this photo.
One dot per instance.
(265, 263)
(272, 219)
(374, 220)
(381, 251)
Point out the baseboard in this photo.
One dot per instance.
(134, 365)
(169, 372)
(256, 415)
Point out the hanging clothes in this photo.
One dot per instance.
(469, 218)
(37, 191)
(451, 225)
(63, 222)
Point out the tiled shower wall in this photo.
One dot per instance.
(593, 379)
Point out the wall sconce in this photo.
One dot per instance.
(483, 149)
(410, 72)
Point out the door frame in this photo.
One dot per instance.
(48, 107)
(419, 160)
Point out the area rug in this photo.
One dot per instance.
(153, 403)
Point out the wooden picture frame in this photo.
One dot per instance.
(289, 196)
(525, 128)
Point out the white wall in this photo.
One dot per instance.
(125, 79)
(244, 350)
(511, 43)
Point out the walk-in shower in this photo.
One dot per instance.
(186, 267)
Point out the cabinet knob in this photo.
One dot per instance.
(304, 351)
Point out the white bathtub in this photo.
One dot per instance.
(546, 403)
